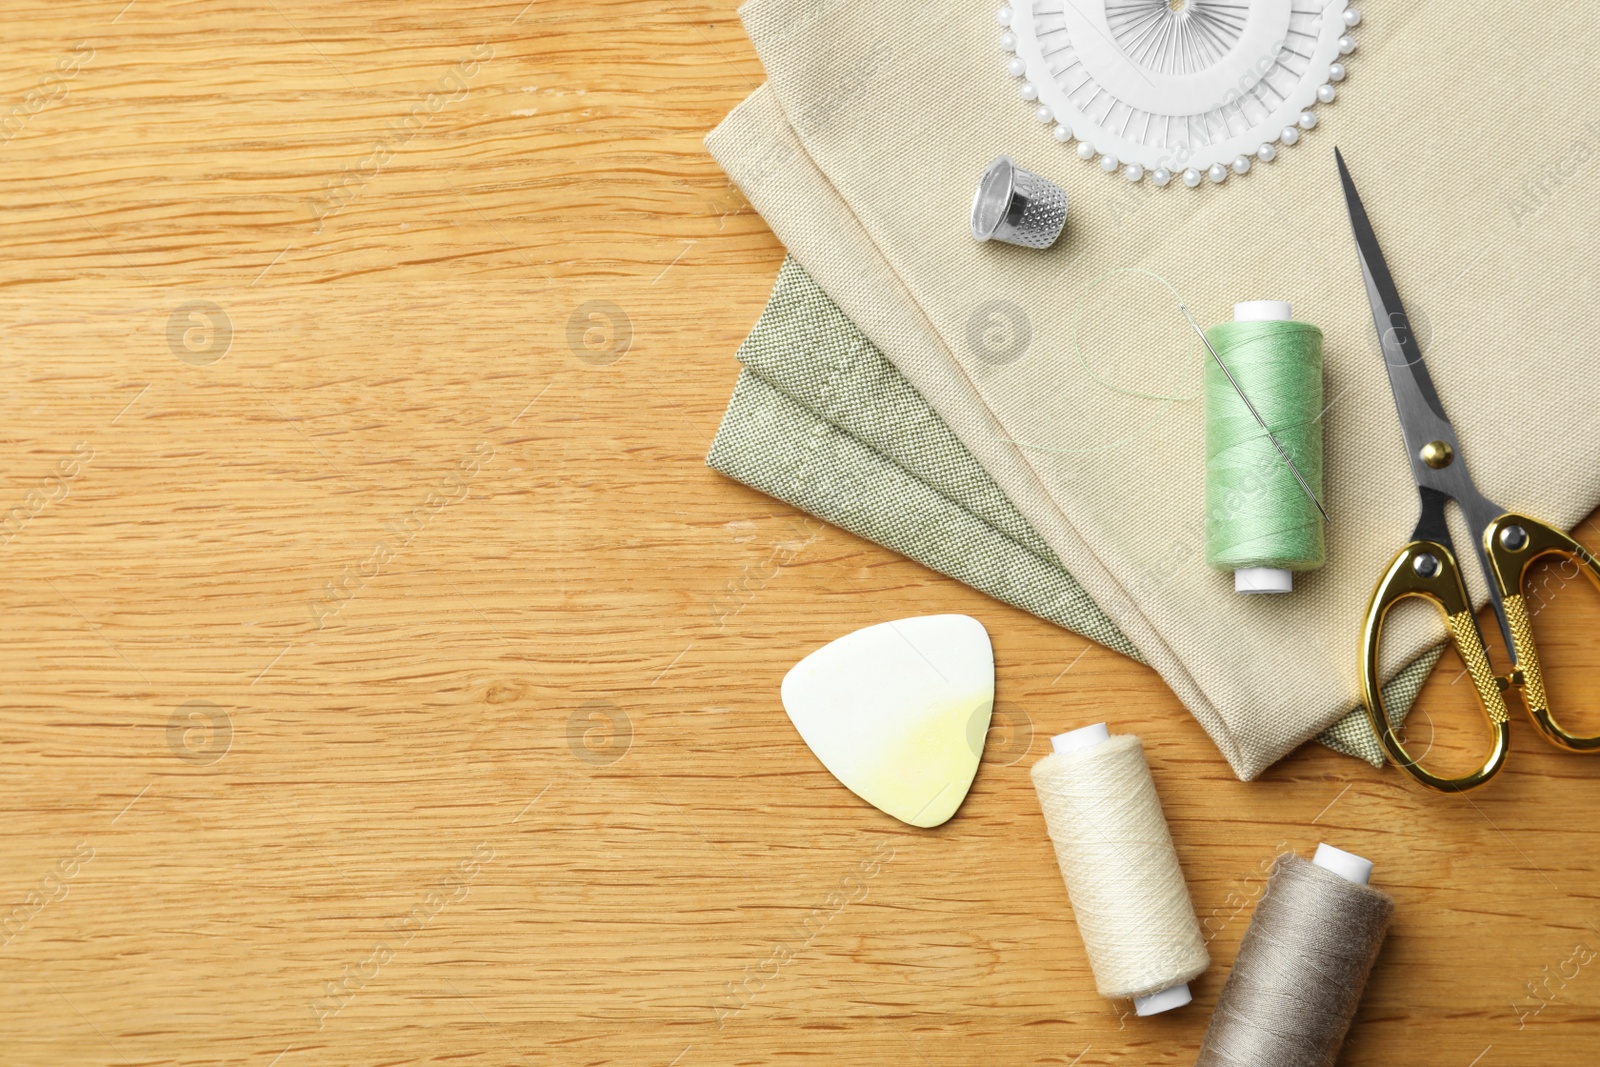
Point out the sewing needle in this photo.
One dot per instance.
(1257, 416)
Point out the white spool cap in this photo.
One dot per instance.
(1174, 996)
(1156, 1003)
(1263, 579)
(1346, 865)
(1263, 311)
(1086, 737)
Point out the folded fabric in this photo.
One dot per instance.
(821, 420)
(866, 177)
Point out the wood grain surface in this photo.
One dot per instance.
(387, 681)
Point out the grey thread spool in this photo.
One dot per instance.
(1301, 967)
(1116, 856)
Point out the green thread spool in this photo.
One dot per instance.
(1259, 522)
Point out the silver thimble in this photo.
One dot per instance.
(1018, 207)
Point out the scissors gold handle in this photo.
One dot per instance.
(1427, 567)
(1513, 544)
(1428, 570)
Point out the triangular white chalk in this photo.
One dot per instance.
(899, 712)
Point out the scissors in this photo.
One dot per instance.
(1427, 568)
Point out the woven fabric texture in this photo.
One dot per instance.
(862, 152)
(822, 420)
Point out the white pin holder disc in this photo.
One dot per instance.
(1197, 89)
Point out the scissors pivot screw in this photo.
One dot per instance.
(1514, 538)
(1437, 454)
(1426, 564)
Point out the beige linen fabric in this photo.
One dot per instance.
(821, 420)
(862, 154)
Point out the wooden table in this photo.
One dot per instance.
(387, 681)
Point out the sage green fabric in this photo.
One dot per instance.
(821, 420)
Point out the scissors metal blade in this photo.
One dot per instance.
(1422, 419)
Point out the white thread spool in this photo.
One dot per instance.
(1116, 856)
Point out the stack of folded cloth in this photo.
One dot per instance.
(821, 420)
(865, 399)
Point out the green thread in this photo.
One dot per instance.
(1077, 345)
(1256, 513)
(1185, 371)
